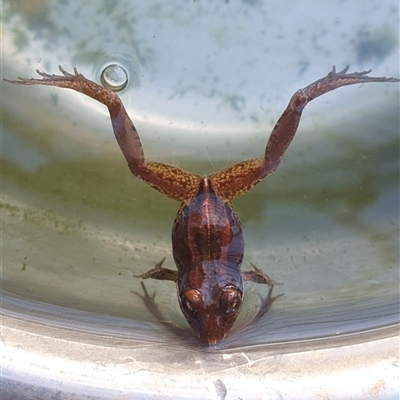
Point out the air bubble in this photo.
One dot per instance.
(114, 77)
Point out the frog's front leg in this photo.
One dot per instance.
(257, 276)
(160, 273)
(237, 179)
(173, 182)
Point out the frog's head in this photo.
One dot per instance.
(211, 313)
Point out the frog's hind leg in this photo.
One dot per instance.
(173, 182)
(233, 181)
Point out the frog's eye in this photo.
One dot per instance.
(231, 300)
(191, 302)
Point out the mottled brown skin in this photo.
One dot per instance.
(207, 243)
(207, 238)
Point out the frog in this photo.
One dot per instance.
(207, 237)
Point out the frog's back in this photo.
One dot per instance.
(207, 240)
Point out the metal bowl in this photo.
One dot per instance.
(206, 83)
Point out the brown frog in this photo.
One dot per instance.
(207, 239)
